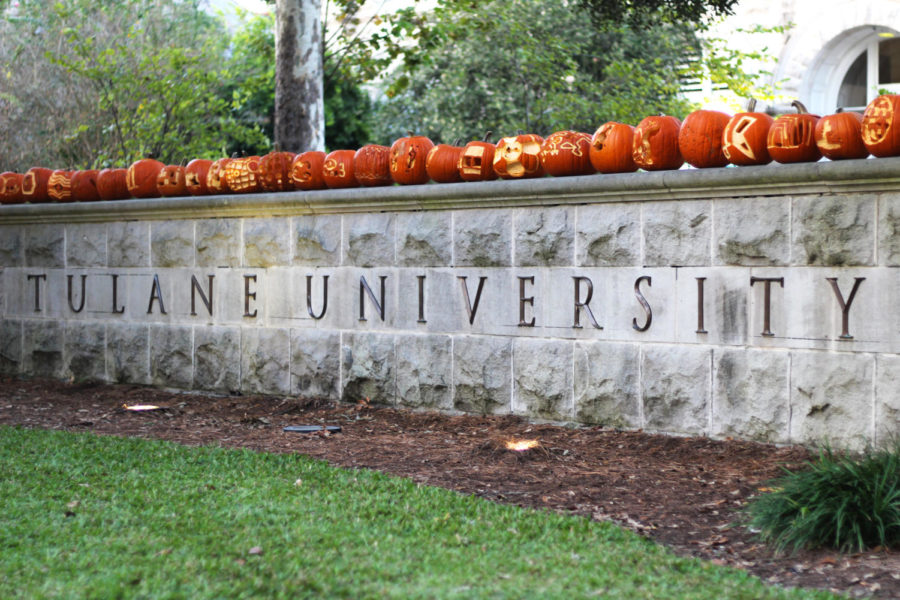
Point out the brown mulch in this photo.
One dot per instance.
(685, 493)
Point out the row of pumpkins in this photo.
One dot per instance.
(705, 139)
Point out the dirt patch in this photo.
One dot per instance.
(683, 492)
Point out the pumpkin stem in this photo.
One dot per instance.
(409, 133)
(456, 141)
(839, 110)
(487, 136)
(276, 147)
(751, 105)
(799, 106)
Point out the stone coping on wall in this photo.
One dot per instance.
(851, 176)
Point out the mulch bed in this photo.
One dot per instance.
(685, 493)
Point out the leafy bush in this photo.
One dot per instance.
(838, 501)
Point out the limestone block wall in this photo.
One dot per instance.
(756, 302)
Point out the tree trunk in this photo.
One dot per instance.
(299, 105)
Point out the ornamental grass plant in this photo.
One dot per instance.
(837, 501)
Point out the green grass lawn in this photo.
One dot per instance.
(83, 516)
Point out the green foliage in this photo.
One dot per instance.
(837, 501)
(86, 516)
(641, 12)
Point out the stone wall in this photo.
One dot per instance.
(754, 302)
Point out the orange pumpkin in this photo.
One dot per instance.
(476, 161)
(171, 181)
(306, 171)
(655, 146)
(792, 137)
(745, 138)
(880, 134)
(567, 153)
(700, 139)
(611, 147)
(518, 157)
(141, 178)
(84, 186)
(839, 136)
(275, 171)
(372, 165)
(111, 184)
(195, 174)
(242, 175)
(408, 156)
(59, 186)
(11, 188)
(442, 163)
(337, 170)
(35, 185)
(216, 183)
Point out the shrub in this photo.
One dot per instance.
(838, 501)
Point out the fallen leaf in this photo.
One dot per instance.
(255, 551)
(299, 482)
(73, 504)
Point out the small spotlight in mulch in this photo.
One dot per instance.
(517, 449)
(522, 445)
(141, 407)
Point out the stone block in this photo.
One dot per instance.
(128, 244)
(831, 398)
(10, 347)
(482, 238)
(609, 235)
(424, 239)
(217, 356)
(751, 394)
(12, 253)
(752, 232)
(316, 364)
(833, 231)
(369, 368)
(267, 242)
(128, 353)
(218, 243)
(545, 237)
(265, 361)
(425, 371)
(45, 245)
(676, 388)
(317, 240)
(172, 243)
(677, 233)
(607, 384)
(42, 349)
(888, 230)
(482, 374)
(543, 379)
(369, 240)
(86, 245)
(726, 295)
(171, 356)
(887, 401)
(85, 352)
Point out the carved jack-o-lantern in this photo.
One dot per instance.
(372, 165)
(700, 139)
(171, 181)
(216, 183)
(611, 148)
(275, 171)
(567, 153)
(84, 186)
(655, 146)
(11, 188)
(745, 138)
(242, 175)
(518, 157)
(476, 161)
(141, 178)
(59, 186)
(792, 138)
(195, 173)
(442, 163)
(408, 156)
(880, 134)
(337, 170)
(839, 137)
(35, 185)
(111, 184)
(306, 171)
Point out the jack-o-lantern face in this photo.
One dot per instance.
(215, 177)
(517, 157)
(879, 134)
(610, 150)
(792, 137)
(242, 175)
(744, 139)
(171, 181)
(838, 136)
(11, 188)
(306, 170)
(59, 186)
(476, 161)
(34, 185)
(337, 170)
(655, 146)
(195, 174)
(408, 156)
